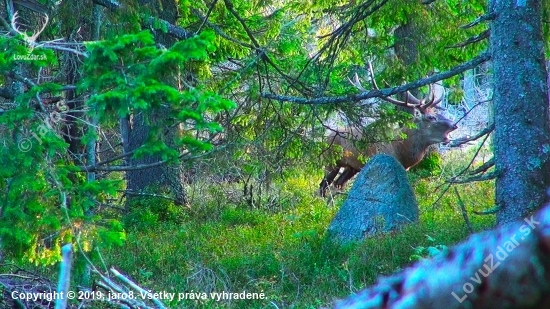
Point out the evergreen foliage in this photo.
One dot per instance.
(252, 163)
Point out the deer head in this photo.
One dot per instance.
(430, 128)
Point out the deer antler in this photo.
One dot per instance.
(410, 100)
(357, 84)
(29, 39)
(431, 102)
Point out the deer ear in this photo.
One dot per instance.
(417, 113)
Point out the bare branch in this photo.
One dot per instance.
(205, 18)
(7, 26)
(32, 5)
(480, 19)
(121, 168)
(449, 183)
(485, 177)
(484, 167)
(20, 78)
(409, 97)
(358, 85)
(229, 6)
(132, 193)
(218, 30)
(471, 161)
(148, 21)
(471, 109)
(55, 46)
(173, 30)
(476, 38)
(110, 4)
(464, 212)
(491, 211)
(461, 141)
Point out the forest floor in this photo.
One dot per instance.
(274, 248)
(269, 247)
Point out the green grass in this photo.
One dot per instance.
(277, 246)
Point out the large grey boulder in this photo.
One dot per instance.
(380, 200)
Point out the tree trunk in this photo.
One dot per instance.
(521, 140)
(407, 38)
(167, 177)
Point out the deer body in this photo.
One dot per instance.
(431, 128)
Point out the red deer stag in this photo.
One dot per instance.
(431, 128)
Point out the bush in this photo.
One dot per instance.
(147, 212)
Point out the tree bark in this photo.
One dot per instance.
(505, 268)
(521, 138)
(407, 38)
(167, 177)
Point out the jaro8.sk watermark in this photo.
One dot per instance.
(25, 143)
(500, 254)
(142, 296)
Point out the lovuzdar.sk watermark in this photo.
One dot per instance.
(501, 254)
(29, 57)
(30, 40)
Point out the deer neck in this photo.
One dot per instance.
(411, 150)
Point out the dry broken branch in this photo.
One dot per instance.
(460, 141)
(484, 167)
(480, 19)
(484, 177)
(471, 40)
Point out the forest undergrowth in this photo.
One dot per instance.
(275, 246)
(267, 243)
